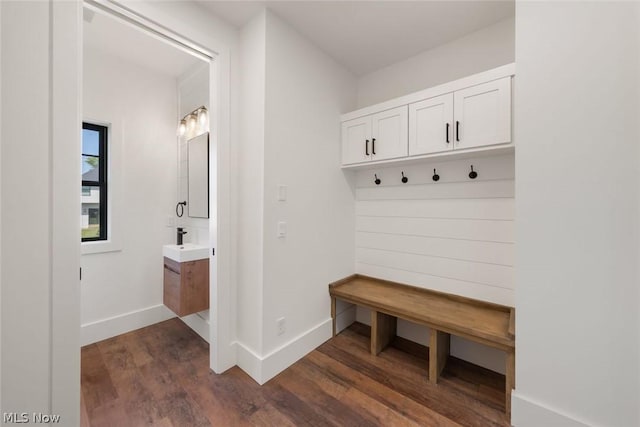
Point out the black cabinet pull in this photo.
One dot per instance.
(447, 133)
(366, 147)
(373, 146)
(457, 131)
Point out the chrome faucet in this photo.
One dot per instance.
(179, 235)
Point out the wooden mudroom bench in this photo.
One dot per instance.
(446, 314)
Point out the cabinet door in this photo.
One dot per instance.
(390, 131)
(172, 282)
(431, 125)
(356, 140)
(483, 114)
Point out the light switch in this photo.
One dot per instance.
(282, 193)
(282, 229)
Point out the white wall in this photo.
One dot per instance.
(122, 289)
(306, 91)
(481, 50)
(455, 235)
(577, 161)
(39, 286)
(293, 95)
(250, 201)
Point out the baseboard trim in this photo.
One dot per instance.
(110, 327)
(249, 361)
(198, 324)
(525, 412)
(263, 368)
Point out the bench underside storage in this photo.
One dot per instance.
(446, 314)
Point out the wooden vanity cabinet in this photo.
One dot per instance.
(186, 286)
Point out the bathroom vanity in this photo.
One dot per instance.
(186, 278)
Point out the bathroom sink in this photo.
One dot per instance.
(185, 252)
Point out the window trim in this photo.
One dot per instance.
(102, 183)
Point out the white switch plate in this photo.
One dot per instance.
(171, 221)
(282, 229)
(282, 193)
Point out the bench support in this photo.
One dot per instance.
(510, 379)
(383, 330)
(438, 353)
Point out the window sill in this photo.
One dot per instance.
(99, 247)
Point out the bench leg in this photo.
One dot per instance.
(383, 329)
(438, 353)
(510, 379)
(333, 314)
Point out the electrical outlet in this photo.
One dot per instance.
(171, 221)
(281, 325)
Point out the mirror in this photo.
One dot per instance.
(198, 176)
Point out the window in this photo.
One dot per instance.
(94, 182)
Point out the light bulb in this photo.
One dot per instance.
(202, 116)
(182, 127)
(191, 122)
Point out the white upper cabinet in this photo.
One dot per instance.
(380, 136)
(389, 134)
(463, 116)
(431, 125)
(483, 114)
(356, 140)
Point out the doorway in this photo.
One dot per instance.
(138, 168)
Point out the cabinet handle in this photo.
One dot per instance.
(171, 269)
(447, 132)
(366, 147)
(457, 131)
(373, 146)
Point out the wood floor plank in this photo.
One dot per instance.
(335, 410)
(97, 387)
(411, 382)
(352, 379)
(159, 376)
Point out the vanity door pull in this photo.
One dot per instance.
(447, 132)
(366, 147)
(171, 269)
(373, 146)
(457, 131)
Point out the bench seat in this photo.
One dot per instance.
(446, 314)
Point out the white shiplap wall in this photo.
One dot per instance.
(455, 235)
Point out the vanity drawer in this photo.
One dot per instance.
(186, 286)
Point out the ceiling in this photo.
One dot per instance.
(365, 36)
(106, 34)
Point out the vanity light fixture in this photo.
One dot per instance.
(197, 117)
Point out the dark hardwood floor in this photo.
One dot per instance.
(159, 376)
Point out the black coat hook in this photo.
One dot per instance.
(473, 174)
(435, 176)
(377, 180)
(404, 178)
